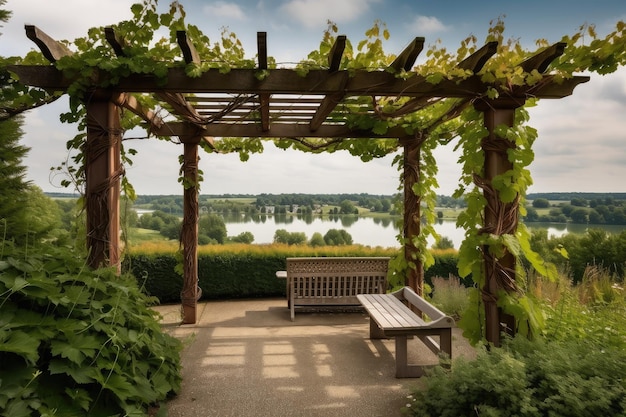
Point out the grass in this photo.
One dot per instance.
(138, 235)
(450, 296)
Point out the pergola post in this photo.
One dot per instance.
(412, 213)
(189, 234)
(102, 173)
(499, 218)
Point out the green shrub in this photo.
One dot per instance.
(445, 265)
(528, 378)
(78, 342)
(244, 271)
(228, 271)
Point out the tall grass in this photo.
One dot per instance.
(450, 295)
(168, 247)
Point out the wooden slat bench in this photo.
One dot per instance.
(391, 317)
(332, 281)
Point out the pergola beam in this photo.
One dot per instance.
(478, 59)
(286, 81)
(543, 59)
(336, 53)
(131, 103)
(264, 98)
(116, 42)
(50, 48)
(407, 57)
(190, 54)
(282, 130)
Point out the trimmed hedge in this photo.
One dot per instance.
(245, 271)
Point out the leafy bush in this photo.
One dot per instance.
(576, 367)
(78, 342)
(228, 271)
(528, 378)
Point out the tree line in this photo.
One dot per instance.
(599, 210)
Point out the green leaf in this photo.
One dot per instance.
(76, 347)
(21, 343)
(79, 373)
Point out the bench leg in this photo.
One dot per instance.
(445, 342)
(403, 369)
(375, 331)
(292, 293)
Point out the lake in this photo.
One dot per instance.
(366, 230)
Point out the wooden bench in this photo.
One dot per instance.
(391, 316)
(332, 281)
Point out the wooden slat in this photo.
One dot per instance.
(336, 53)
(116, 42)
(264, 98)
(190, 54)
(477, 60)
(325, 108)
(50, 48)
(130, 102)
(543, 59)
(407, 57)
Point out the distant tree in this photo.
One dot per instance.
(213, 227)
(386, 205)
(579, 202)
(289, 238)
(347, 207)
(579, 215)
(567, 209)
(317, 239)
(281, 236)
(337, 237)
(595, 217)
(541, 203)
(440, 214)
(171, 230)
(243, 237)
(444, 243)
(531, 214)
(619, 217)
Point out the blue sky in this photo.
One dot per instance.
(582, 138)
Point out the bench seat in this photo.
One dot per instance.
(392, 316)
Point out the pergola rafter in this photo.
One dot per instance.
(282, 103)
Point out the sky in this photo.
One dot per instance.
(582, 138)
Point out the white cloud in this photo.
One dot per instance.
(61, 19)
(582, 140)
(226, 10)
(427, 25)
(315, 13)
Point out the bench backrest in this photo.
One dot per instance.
(437, 317)
(345, 276)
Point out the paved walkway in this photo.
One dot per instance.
(247, 358)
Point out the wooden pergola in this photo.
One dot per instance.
(285, 104)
